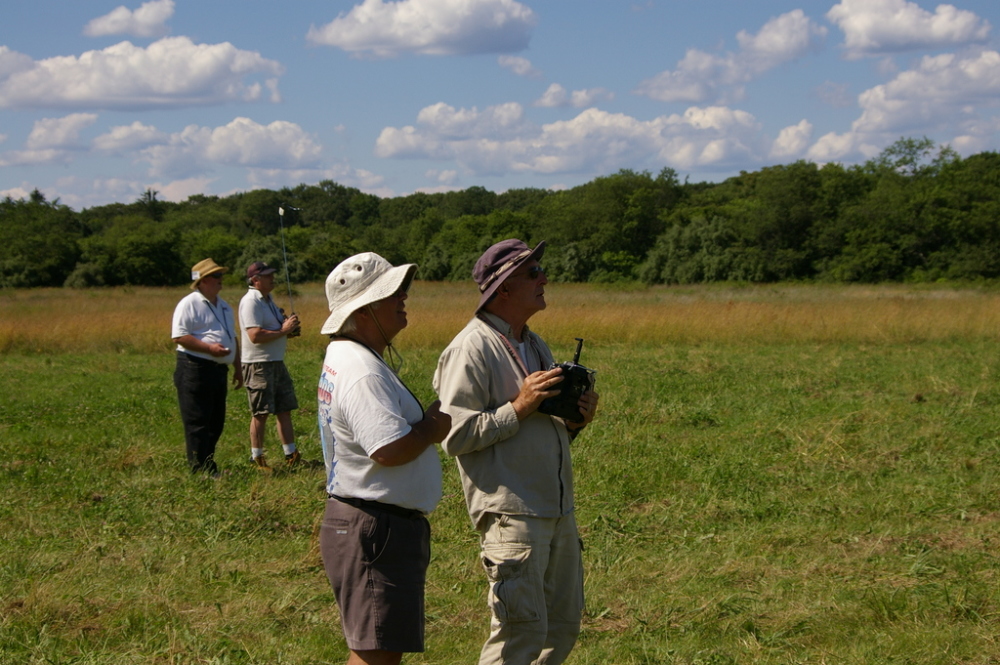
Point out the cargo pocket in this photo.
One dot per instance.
(254, 380)
(514, 594)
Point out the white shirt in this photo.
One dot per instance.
(363, 406)
(196, 316)
(256, 312)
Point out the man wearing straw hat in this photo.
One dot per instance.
(205, 332)
(383, 472)
(514, 461)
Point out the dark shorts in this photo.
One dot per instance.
(377, 564)
(269, 388)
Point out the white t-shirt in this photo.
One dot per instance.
(255, 312)
(197, 317)
(363, 406)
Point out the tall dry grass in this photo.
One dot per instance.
(138, 319)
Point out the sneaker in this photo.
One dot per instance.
(261, 463)
(293, 458)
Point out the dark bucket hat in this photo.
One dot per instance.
(498, 263)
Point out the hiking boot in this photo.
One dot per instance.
(261, 464)
(292, 459)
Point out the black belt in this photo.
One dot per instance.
(198, 360)
(408, 513)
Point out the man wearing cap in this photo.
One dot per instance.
(265, 332)
(383, 472)
(205, 332)
(514, 461)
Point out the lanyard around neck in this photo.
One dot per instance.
(270, 305)
(510, 347)
(221, 320)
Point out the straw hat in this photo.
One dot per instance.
(498, 263)
(203, 269)
(362, 280)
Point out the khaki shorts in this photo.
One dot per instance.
(376, 562)
(269, 388)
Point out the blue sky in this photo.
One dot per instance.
(100, 101)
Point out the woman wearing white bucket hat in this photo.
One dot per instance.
(383, 472)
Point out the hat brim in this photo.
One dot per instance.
(536, 255)
(384, 286)
(220, 269)
(268, 271)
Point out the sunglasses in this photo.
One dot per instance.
(534, 271)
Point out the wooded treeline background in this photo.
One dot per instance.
(917, 212)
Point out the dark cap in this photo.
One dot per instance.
(498, 263)
(260, 268)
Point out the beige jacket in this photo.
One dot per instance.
(507, 467)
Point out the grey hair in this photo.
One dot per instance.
(350, 324)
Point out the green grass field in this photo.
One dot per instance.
(777, 475)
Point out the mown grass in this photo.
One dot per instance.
(778, 475)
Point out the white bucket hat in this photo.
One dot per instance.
(361, 280)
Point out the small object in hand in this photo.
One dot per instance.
(577, 380)
(297, 330)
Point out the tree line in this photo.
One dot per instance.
(917, 212)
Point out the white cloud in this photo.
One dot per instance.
(792, 141)
(43, 156)
(702, 76)
(181, 190)
(171, 72)
(832, 147)
(556, 96)
(592, 142)
(59, 133)
(147, 21)
(940, 91)
(12, 62)
(126, 138)
(16, 193)
(78, 192)
(280, 145)
(518, 65)
(448, 177)
(874, 27)
(343, 174)
(981, 136)
(429, 27)
(495, 122)
(947, 95)
(51, 141)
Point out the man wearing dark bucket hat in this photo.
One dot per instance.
(383, 472)
(514, 461)
(205, 333)
(264, 333)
